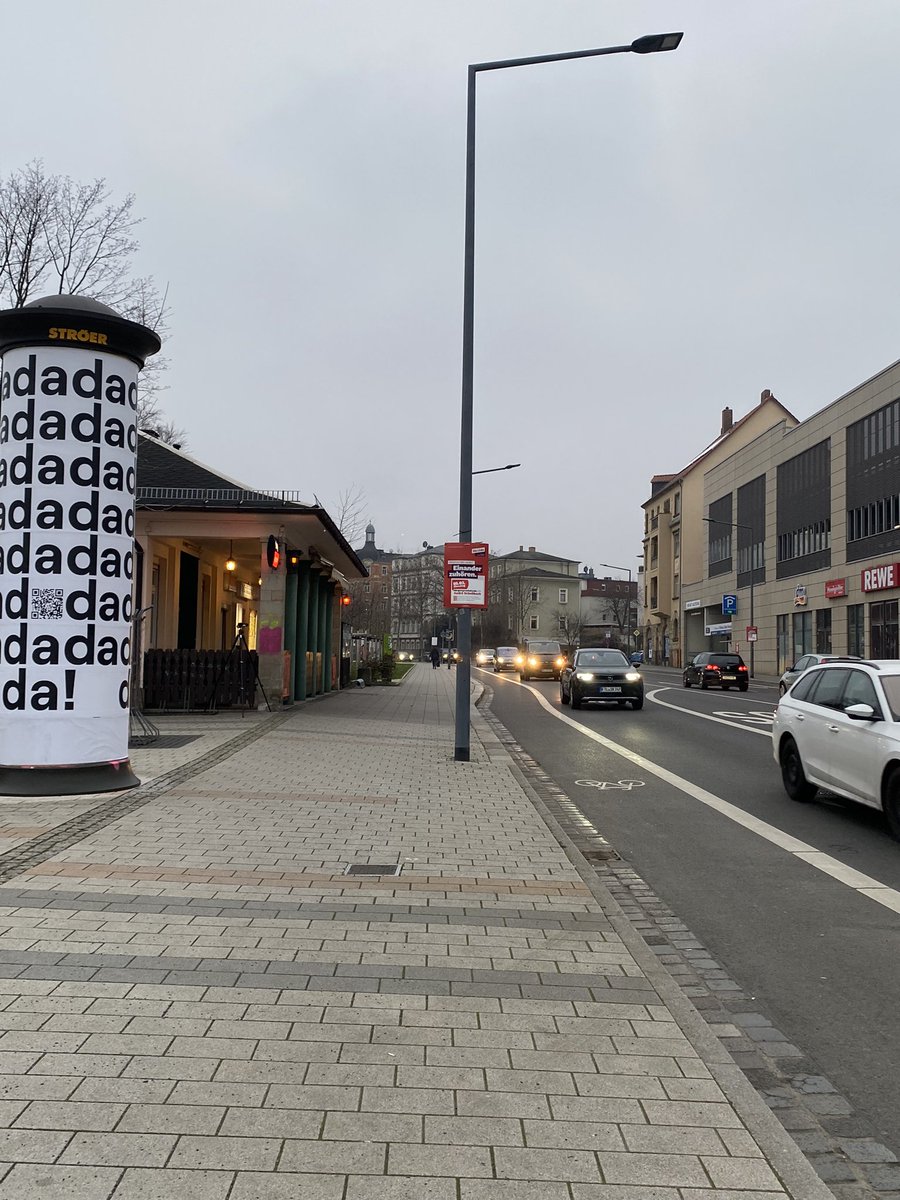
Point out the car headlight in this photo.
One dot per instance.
(560, 662)
(520, 660)
(533, 662)
(585, 677)
(633, 676)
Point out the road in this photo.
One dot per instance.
(820, 956)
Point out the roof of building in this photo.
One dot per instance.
(369, 552)
(171, 480)
(661, 481)
(532, 555)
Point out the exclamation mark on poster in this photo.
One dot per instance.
(70, 690)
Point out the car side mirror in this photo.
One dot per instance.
(861, 712)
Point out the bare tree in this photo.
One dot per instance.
(58, 236)
(570, 626)
(351, 508)
(623, 612)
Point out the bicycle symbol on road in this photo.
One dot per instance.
(623, 785)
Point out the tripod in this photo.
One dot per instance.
(247, 671)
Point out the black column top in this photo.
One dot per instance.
(79, 322)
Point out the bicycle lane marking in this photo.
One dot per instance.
(866, 885)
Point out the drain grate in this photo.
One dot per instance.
(174, 741)
(373, 869)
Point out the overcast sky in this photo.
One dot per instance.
(657, 237)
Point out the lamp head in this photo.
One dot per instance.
(652, 43)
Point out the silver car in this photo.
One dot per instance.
(792, 674)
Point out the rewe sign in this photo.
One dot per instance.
(880, 579)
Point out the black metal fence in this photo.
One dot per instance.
(200, 680)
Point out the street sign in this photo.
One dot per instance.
(465, 574)
(752, 633)
(729, 605)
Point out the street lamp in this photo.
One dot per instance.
(613, 567)
(749, 528)
(488, 470)
(651, 44)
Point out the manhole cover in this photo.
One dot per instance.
(373, 869)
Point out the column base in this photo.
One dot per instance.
(80, 780)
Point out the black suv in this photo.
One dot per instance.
(712, 669)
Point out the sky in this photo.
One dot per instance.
(657, 236)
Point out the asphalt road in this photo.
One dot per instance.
(821, 959)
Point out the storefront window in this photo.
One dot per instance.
(802, 634)
(856, 630)
(783, 636)
(823, 631)
(883, 618)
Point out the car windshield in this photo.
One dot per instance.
(891, 685)
(601, 658)
(506, 652)
(726, 660)
(543, 647)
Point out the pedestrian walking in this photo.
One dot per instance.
(435, 658)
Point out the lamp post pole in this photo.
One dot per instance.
(749, 528)
(651, 44)
(628, 609)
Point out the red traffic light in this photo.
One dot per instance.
(273, 552)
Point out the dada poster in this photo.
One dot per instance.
(68, 441)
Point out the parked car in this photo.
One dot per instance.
(505, 658)
(792, 674)
(712, 668)
(839, 728)
(604, 675)
(637, 657)
(540, 657)
(485, 656)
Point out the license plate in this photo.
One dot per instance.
(610, 689)
(730, 678)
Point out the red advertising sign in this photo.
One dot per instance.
(465, 574)
(752, 633)
(880, 579)
(835, 588)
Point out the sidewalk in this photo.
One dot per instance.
(198, 1002)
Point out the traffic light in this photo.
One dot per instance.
(273, 552)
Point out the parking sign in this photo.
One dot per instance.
(729, 605)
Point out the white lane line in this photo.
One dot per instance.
(653, 697)
(864, 885)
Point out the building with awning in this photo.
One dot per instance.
(205, 587)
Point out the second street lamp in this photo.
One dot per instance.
(651, 44)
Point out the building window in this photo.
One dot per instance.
(654, 595)
(802, 634)
(677, 503)
(823, 631)
(884, 629)
(562, 624)
(535, 595)
(384, 570)
(856, 630)
(564, 595)
(719, 528)
(367, 587)
(534, 622)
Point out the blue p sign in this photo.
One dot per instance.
(729, 605)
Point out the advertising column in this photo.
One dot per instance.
(68, 444)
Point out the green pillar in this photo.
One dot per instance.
(324, 587)
(328, 602)
(290, 625)
(303, 590)
(314, 588)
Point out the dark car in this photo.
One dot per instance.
(604, 675)
(540, 658)
(715, 669)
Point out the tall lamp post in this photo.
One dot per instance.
(749, 528)
(613, 567)
(651, 44)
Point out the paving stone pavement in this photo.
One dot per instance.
(196, 1000)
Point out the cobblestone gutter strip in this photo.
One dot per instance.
(68, 833)
(783, 1153)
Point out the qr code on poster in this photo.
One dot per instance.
(46, 604)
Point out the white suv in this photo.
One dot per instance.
(839, 728)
